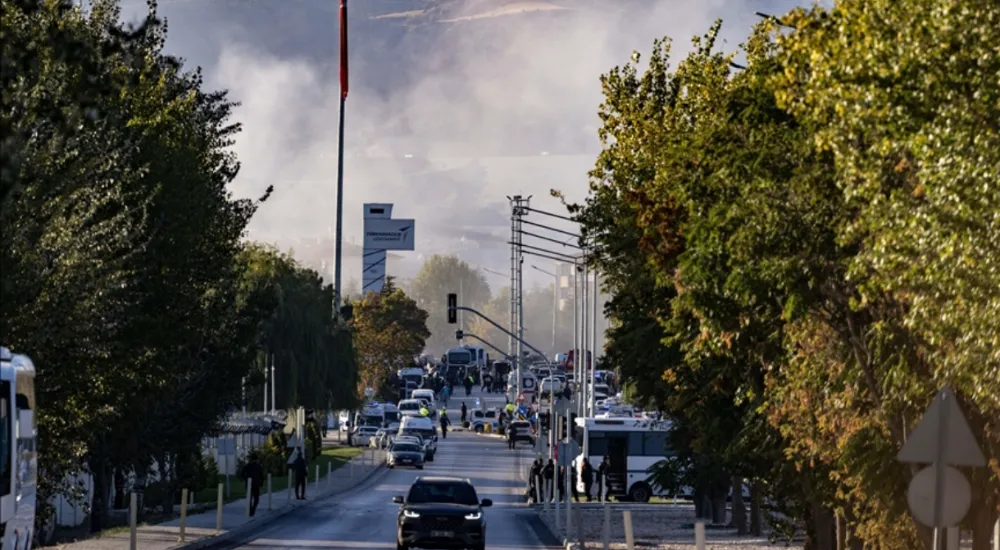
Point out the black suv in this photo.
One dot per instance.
(441, 512)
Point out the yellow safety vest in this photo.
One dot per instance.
(425, 412)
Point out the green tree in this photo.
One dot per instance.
(440, 276)
(390, 329)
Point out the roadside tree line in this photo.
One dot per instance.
(802, 248)
(125, 275)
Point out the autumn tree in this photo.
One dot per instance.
(390, 329)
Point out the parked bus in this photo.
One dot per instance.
(18, 454)
(632, 445)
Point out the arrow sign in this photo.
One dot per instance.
(958, 444)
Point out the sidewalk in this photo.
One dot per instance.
(201, 530)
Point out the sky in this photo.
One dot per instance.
(445, 119)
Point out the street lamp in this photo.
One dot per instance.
(555, 302)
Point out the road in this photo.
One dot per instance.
(365, 518)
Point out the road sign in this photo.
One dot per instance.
(955, 499)
(388, 234)
(955, 440)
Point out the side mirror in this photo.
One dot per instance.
(486, 503)
(397, 499)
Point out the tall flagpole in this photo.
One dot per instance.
(340, 160)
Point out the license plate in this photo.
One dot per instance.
(443, 534)
(406, 460)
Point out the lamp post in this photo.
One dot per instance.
(555, 302)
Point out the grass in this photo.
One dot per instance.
(334, 456)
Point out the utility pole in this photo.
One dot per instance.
(593, 343)
(338, 253)
(273, 408)
(519, 208)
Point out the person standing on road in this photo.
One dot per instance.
(445, 422)
(253, 472)
(301, 470)
(446, 393)
(602, 475)
(487, 382)
(547, 474)
(511, 436)
(464, 411)
(587, 475)
(536, 472)
(561, 484)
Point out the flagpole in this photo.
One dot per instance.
(338, 254)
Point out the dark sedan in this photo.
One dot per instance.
(406, 454)
(441, 512)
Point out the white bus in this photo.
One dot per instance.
(18, 455)
(632, 445)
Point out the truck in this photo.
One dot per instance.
(18, 451)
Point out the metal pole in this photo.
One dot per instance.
(340, 190)
(555, 308)
(593, 345)
(584, 337)
(266, 366)
(512, 350)
(939, 470)
(461, 300)
(576, 339)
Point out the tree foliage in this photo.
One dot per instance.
(438, 277)
(390, 329)
(817, 238)
(125, 277)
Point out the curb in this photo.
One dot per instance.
(249, 527)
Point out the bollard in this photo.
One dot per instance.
(269, 506)
(540, 493)
(629, 538)
(329, 476)
(317, 478)
(184, 513)
(558, 505)
(248, 498)
(352, 470)
(133, 516)
(218, 509)
(699, 535)
(569, 508)
(192, 498)
(290, 482)
(606, 533)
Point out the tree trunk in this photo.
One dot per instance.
(841, 531)
(102, 474)
(719, 494)
(823, 527)
(983, 520)
(739, 507)
(756, 498)
(168, 475)
(700, 496)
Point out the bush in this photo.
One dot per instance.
(314, 440)
(274, 454)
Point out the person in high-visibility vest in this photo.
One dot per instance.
(424, 411)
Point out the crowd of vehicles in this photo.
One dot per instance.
(18, 454)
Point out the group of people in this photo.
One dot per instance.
(549, 471)
(253, 472)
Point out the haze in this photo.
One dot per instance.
(454, 104)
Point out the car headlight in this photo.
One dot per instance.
(474, 515)
(410, 514)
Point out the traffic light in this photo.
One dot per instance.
(459, 334)
(452, 309)
(562, 427)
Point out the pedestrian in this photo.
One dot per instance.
(446, 393)
(253, 472)
(572, 483)
(487, 382)
(465, 412)
(511, 436)
(301, 470)
(536, 472)
(445, 422)
(602, 475)
(561, 483)
(587, 475)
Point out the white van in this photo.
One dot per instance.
(427, 395)
(423, 426)
(409, 407)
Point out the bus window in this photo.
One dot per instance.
(656, 444)
(635, 440)
(6, 437)
(598, 444)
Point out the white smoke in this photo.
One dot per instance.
(492, 78)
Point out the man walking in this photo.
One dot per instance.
(301, 471)
(602, 475)
(511, 436)
(253, 472)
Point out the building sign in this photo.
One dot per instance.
(389, 234)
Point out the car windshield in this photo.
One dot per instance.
(405, 448)
(409, 406)
(442, 493)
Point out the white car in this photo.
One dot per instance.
(364, 435)
(409, 407)
(552, 384)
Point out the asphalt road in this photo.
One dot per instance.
(365, 518)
